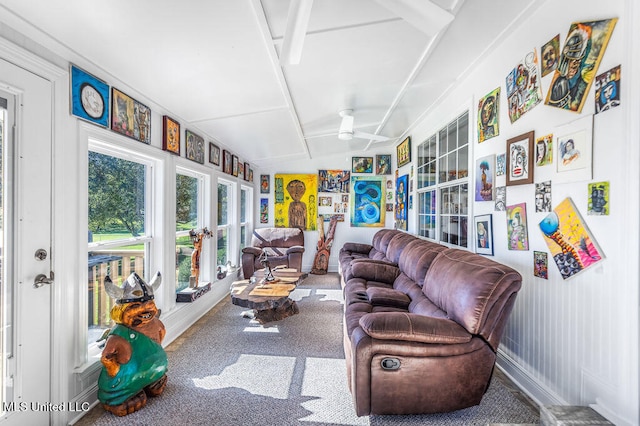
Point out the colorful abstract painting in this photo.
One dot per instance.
(523, 87)
(296, 201)
(367, 201)
(402, 202)
(540, 265)
(580, 57)
(544, 150)
(501, 164)
(484, 178)
(572, 246)
(608, 90)
(488, 114)
(517, 227)
(598, 199)
(264, 210)
(550, 53)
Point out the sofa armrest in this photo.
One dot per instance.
(372, 270)
(357, 247)
(295, 249)
(252, 250)
(413, 328)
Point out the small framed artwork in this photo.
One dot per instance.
(250, 175)
(247, 167)
(488, 114)
(484, 178)
(264, 210)
(89, 97)
(234, 170)
(129, 117)
(484, 234)
(170, 135)
(501, 164)
(574, 149)
(517, 230)
(383, 164)
(227, 165)
(520, 159)
(214, 154)
(540, 264)
(241, 169)
(598, 199)
(544, 150)
(550, 52)
(403, 152)
(194, 147)
(362, 164)
(265, 184)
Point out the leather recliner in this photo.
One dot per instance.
(284, 246)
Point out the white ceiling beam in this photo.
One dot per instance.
(422, 14)
(294, 34)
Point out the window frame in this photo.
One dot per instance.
(432, 188)
(229, 226)
(247, 224)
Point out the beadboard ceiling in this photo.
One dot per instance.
(214, 64)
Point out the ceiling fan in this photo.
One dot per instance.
(347, 133)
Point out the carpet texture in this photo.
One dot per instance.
(230, 370)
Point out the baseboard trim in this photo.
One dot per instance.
(539, 393)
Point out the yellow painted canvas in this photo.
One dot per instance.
(296, 198)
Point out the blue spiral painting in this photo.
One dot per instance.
(367, 201)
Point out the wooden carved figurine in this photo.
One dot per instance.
(321, 261)
(197, 237)
(134, 362)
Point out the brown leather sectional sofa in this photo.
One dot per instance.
(422, 323)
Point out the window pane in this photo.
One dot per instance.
(223, 246)
(223, 193)
(442, 137)
(243, 236)
(463, 130)
(118, 264)
(186, 202)
(184, 249)
(452, 166)
(463, 162)
(443, 170)
(243, 206)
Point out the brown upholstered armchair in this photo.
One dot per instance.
(284, 246)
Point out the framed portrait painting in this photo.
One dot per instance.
(214, 154)
(574, 149)
(483, 226)
(520, 159)
(89, 97)
(403, 152)
(265, 184)
(383, 164)
(227, 166)
(129, 117)
(170, 135)
(194, 147)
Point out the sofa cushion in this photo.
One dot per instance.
(416, 258)
(413, 328)
(397, 245)
(387, 297)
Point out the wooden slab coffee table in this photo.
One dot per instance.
(268, 302)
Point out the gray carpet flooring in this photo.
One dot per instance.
(230, 370)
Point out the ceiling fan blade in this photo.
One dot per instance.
(371, 136)
(422, 14)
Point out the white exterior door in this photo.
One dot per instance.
(25, 246)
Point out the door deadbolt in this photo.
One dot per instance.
(41, 254)
(42, 279)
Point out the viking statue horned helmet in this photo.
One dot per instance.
(134, 289)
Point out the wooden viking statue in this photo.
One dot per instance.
(321, 261)
(134, 362)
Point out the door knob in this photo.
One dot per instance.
(42, 279)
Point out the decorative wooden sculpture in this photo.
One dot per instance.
(197, 237)
(321, 261)
(134, 362)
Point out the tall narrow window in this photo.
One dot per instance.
(245, 214)
(443, 184)
(118, 242)
(225, 198)
(188, 207)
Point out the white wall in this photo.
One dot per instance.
(575, 341)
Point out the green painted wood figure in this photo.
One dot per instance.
(134, 362)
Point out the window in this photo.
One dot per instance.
(189, 205)
(246, 202)
(118, 241)
(443, 184)
(225, 214)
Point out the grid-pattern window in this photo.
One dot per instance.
(118, 241)
(443, 184)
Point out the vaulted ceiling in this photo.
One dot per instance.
(215, 64)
